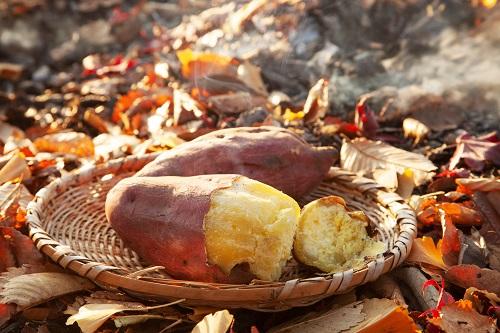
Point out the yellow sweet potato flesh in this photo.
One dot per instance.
(251, 222)
(332, 239)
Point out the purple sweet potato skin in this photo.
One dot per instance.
(161, 218)
(272, 155)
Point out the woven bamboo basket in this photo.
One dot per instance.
(67, 222)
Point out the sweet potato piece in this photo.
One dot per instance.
(331, 238)
(212, 228)
(272, 155)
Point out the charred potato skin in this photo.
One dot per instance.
(272, 155)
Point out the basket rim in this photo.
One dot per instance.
(260, 296)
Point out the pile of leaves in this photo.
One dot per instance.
(171, 85)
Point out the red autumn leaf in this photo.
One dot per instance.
(475, 151)
(444, 298)
(459, 213)
(22, 247)
(467, 276)
(6, 311)
(365, 119)
(6, 256)
(451, 241)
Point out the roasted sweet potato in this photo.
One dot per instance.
(333, 239)
(212, 228)
(272, 155)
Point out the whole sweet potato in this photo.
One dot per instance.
(212, 228)
(272, 155)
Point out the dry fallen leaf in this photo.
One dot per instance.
(460, 317)
(451, 244)
(108, 146)
(250, 75)
(365, 156)
(30, 289)
(481, 300)
(425, 251)
(414, 129)
(75, 143)
(467, 276)
(383, 315)
(333, 321)
(317, 104)
(474, 152)
(487, 203)
(14, 193)
(196, 65)
(386, 177)
(16, 167)
(135, 319)
(479, 184)
(91, 316)
(218, 322)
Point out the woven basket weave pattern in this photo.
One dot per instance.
(68, 223)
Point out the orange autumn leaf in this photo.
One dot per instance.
(451, 241)
(458, 212)
(124, 103)
(196, 64)
(460, 317)
(383, 315)
(425, 251)
(467, 276)
(76, 143)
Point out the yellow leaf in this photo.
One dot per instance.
(197, 64)
(425, 251)
(91, 316)
(218, 322)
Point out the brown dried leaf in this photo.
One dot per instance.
(460, 317)
(217, 322)
(474, 152)
(317, 104)
(467, 276)
(249, 74)
(490, 231)
(414, 129)
(451, 244)
(10, 71)
(365, 156)
(16, 167)
(383, 315)
(14, 193)
(31, 289)
(186, 108)
(230, 104)
(108, 146)
(479, 184)
(334, 321)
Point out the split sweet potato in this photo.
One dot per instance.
(272, 155)
(212, 228)
(333, 239)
